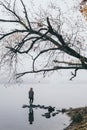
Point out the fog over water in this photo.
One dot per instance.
(55, 90)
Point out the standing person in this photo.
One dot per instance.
(31, 95)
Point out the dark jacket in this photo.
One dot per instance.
(31, 94)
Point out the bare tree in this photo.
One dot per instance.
(53, 42)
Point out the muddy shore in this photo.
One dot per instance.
(78, 118)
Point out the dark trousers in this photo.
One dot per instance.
(31, 100)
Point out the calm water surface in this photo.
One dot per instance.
(61, 94)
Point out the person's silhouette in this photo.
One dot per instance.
(31, 95)
(31, 115)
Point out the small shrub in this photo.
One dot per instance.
(77, 118)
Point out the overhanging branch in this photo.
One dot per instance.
(41, 52)
(26, 15)
(47, 70)
(14, 14)
(74, 74)
(12, 32)
(44, 37)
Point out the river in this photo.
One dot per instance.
(59, 93)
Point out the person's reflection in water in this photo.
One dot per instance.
(31, 115)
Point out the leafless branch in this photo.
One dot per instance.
(46, 38)
(26, 15)
(48, 70)
(68, 63)
(74, 74)
(14, 14)
(41, 52)
(10, 33)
